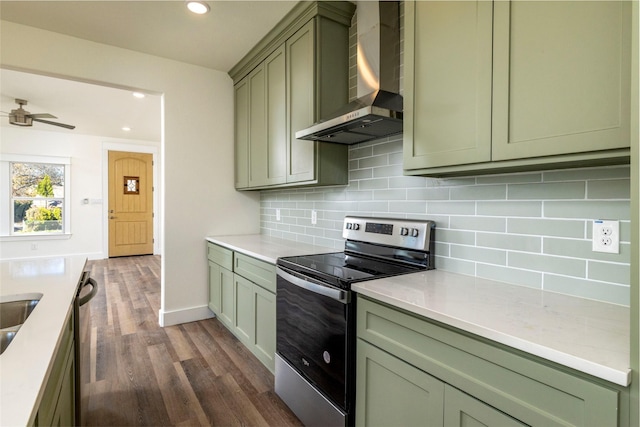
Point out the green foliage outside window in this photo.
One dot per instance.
(38, 197)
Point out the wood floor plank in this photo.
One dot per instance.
(197, 409)
(182, 346)
(187, 375)
(176, 399)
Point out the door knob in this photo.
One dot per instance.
(111, 211)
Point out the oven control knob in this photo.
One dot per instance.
(327, 357)
(404, 231)
(356, 226)
(348, 226)
(414, 232)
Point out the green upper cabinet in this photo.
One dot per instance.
(267, 122)
(499, 86)
(447, 95)
(241, 114)
(300, 87)
(294, 77)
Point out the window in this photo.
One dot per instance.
(37, 196)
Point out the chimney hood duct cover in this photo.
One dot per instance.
(377, 112)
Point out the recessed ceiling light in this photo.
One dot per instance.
(198, 7)
(126, 128)
(138, 95)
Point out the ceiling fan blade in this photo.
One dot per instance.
(42, 116)
(62, 125)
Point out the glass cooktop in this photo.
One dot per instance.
(341, 269)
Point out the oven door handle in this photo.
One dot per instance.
(333, 293)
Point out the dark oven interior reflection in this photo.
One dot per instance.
(312, 336)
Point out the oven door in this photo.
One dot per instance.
(312, 333)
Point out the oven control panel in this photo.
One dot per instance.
(404, 233)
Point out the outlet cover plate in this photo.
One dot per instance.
(606, 236)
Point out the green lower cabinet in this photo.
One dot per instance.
(391, 392)
(64, 414)
(264, 342)
(221, 293)
(460, 409)
(255, 319)
(413, 371)
(57, 407)
(244, 300)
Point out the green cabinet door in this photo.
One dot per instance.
(462, 410)
(227, 297)
(220, 281)
(64, 414)
(241, 128)
(447, 82)
(57, 406)
(268, 122)
(561, 75)
(265, 327)
(244, 323)
(300, 91)
(276, 102)
(391, 392)
(257, 126)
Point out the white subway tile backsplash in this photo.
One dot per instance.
(510, 208)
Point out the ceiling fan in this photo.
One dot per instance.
(21, 117)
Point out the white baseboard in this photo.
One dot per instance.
(186, 315)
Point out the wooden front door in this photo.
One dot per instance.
(130, 203)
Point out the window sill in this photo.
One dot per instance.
(31, 237)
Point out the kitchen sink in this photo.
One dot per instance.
(6, 336)
(14, 311)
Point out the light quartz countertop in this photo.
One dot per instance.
(267, 248)
(25, 366)
(586, 335)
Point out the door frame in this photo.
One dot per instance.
(133, 148)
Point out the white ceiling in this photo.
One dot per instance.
(217, 40)
(93, 109)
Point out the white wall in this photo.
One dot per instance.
(197, 148)
(87, 181)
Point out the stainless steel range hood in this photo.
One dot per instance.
(377, 112)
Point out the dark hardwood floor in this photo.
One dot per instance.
(191, 374)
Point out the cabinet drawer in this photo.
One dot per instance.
(522, 386)
(221, 256)
(259, 272)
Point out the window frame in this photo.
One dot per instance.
(6, 216)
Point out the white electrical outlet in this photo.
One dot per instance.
(277, 214)
(606, 236)
(314, 217)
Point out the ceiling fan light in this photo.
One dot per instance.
(198, 7)
(20, 119)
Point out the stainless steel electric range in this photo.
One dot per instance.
(315, 310)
